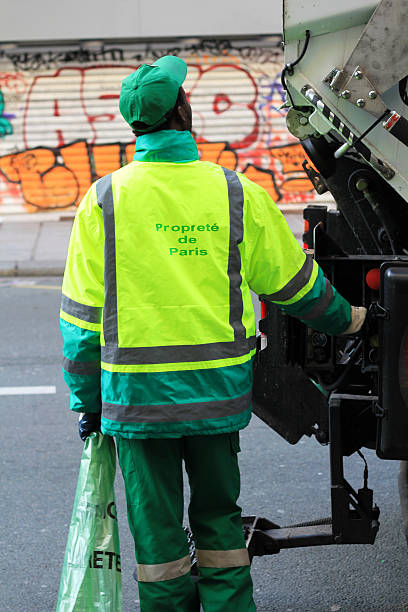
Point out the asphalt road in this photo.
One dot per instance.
(40, 453)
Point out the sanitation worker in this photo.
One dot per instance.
(159, 337)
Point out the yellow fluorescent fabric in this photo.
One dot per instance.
(83, 278)
(222, 558)
(181, 239)
(174, 367)
(79, 322)
(166, 246)
(305, 289)
(271, 253)
(163, 571)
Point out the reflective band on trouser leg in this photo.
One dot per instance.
(104, 196)
(163, 571)
(222, 558)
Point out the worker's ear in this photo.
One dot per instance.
(183, 115)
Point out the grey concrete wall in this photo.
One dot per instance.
(25, 20)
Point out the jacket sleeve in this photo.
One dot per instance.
(81, 306)
(278, 270)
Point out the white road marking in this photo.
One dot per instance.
(27, 390)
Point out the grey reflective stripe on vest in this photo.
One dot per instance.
(322, 305)
(152, 413)
(91, 314)
(222, 558)
(104, 196)
(296, 283)
(177, 354)
(87, 368)
(112, 353)
(163, 571)
(236, 211)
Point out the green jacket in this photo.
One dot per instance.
(156, 312)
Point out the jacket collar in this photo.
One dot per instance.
(166, 146)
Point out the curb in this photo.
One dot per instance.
(32, 268)
(38, 217)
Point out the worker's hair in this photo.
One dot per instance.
(139, 127)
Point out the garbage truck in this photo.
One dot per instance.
(346, 83)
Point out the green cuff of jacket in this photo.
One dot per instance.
(336, 318)
(337, 315)
(85, 392)
(81, 367)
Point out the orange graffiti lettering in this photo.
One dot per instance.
(76, 158)
(8, 169)
(129, 152)
(44, 183)
(106, 158)
(264, 178)
(217, 153)
(59, 177)
(291, 158)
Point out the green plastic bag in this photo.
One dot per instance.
(91, 575)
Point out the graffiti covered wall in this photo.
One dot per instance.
(60, 126)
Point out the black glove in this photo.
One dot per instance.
(88, 422)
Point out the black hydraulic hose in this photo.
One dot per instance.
(289, 68)
(362, 185)
(291, 65)
(379, 213)
(403, 493)
(365, 468)
(346, 371)
(369, 228)
(371, 127)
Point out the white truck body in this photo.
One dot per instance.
(348, 39)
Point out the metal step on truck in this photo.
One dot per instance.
(347, 98)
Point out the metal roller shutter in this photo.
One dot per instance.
(61, 128)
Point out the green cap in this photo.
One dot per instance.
(148, 94)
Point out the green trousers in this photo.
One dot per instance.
(152, 471)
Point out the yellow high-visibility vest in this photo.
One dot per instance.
(161, 261)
